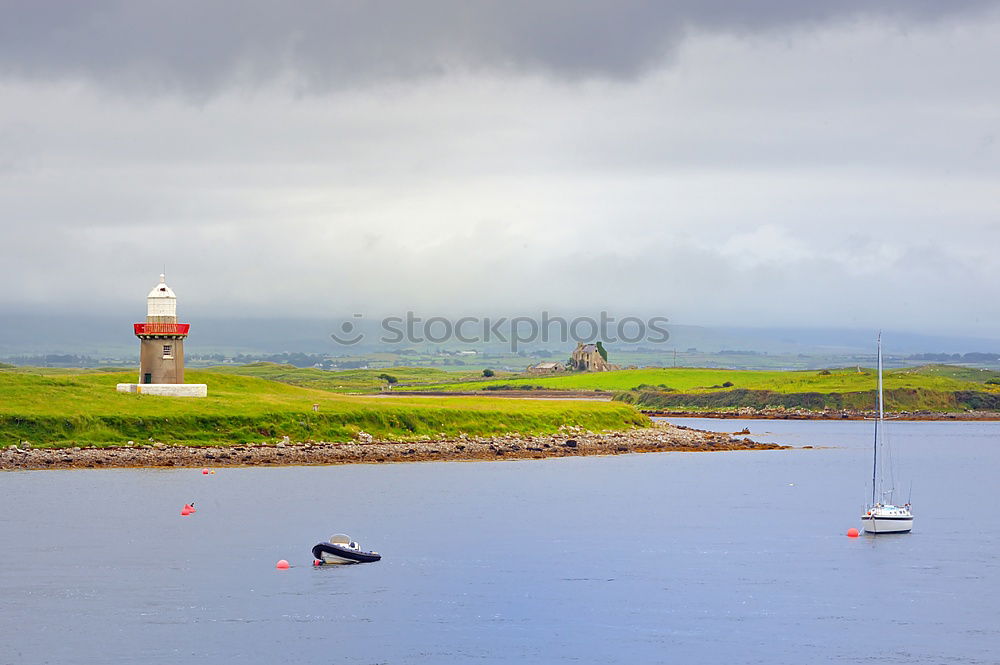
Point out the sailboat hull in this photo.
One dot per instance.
(873, 524)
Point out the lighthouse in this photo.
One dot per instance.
(161, 348)
(161, 338)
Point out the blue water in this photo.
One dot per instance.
(658, 558)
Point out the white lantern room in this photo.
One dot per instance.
(161, 303)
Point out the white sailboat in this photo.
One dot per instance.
(882, 515)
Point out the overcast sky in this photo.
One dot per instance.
(727, 162)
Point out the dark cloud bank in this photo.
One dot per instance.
(200, 47)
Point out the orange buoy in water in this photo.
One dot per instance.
(186, 510)
(852, 533)
(317, 562)
(204, 472)
(212, 472)
(281, 565)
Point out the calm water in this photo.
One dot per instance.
(676, 557)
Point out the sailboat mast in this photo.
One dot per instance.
(878, 422)
(880, 407)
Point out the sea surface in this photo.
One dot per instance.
(730, 557)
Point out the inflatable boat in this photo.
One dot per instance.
(341, 549)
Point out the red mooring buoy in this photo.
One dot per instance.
(204, 472)
(281, 565)
(852, 533)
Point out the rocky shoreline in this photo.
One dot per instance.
(569, 442)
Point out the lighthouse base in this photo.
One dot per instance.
(165, 389)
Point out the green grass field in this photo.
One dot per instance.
(71, 408)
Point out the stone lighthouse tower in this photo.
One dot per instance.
(161, 348)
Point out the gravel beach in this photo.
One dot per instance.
(570, 441)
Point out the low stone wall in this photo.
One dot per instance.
(165, 389)
(571, 441)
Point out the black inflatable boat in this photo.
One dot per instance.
(341, 549)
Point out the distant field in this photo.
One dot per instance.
(83, 408)
(706, 380)
(344, 380)
(933, 387)
(21, 369)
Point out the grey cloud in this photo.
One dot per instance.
(200, 47)
(755, 180)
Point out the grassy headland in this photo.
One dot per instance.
(83, 408)
(264, 402)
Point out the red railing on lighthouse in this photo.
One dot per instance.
(161, 328)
